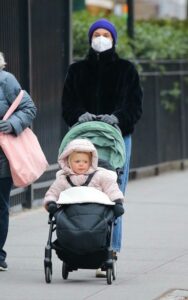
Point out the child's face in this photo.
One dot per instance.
(80, 162)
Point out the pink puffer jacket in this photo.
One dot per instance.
(103, 180)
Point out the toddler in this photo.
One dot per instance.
(79, 167)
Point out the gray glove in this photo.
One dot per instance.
(86, 117)
(110, 119)
(5, 127)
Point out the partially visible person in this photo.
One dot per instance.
(105, 85)
(79, 166)
(18, 121)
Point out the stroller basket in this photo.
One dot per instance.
(80, 261)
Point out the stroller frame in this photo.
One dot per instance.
(109, 265)
(80, 130)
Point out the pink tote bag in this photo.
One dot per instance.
(26, 158)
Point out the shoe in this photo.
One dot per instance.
(100, 273)
(3, 266)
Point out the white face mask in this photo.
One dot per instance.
(101, 43)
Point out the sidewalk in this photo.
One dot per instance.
(153, 261)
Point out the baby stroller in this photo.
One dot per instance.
(84, 230)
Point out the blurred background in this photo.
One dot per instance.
(144, 9)
(41, 38)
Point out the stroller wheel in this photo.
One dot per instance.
(114, 270)
(48, 274)
(65, 271)
(109, 275)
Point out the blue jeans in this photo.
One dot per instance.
(5, 188)
(117, 234)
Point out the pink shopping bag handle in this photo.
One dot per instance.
(14, 105)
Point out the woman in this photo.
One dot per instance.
(19, 120)
(106, 86)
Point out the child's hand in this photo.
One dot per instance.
(118, 208)
(52, 207)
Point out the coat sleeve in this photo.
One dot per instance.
(55, 189)
(129, 108)
(72, 109)
(109, 185)
(26, 111)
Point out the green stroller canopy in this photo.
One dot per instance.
(106, 138)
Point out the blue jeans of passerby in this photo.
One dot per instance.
(5, 188)
(117, 234)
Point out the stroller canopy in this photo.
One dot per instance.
(106, 138)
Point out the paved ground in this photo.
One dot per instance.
(154, 258)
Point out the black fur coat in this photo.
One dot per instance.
(103, 83)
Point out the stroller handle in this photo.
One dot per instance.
(97, 118)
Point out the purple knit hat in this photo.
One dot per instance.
(103, 23)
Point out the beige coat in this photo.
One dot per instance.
(103, 180)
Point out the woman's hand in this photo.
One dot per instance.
(5, 127)
(109, 119)
(86, 117)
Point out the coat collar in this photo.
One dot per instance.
(107, 56)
